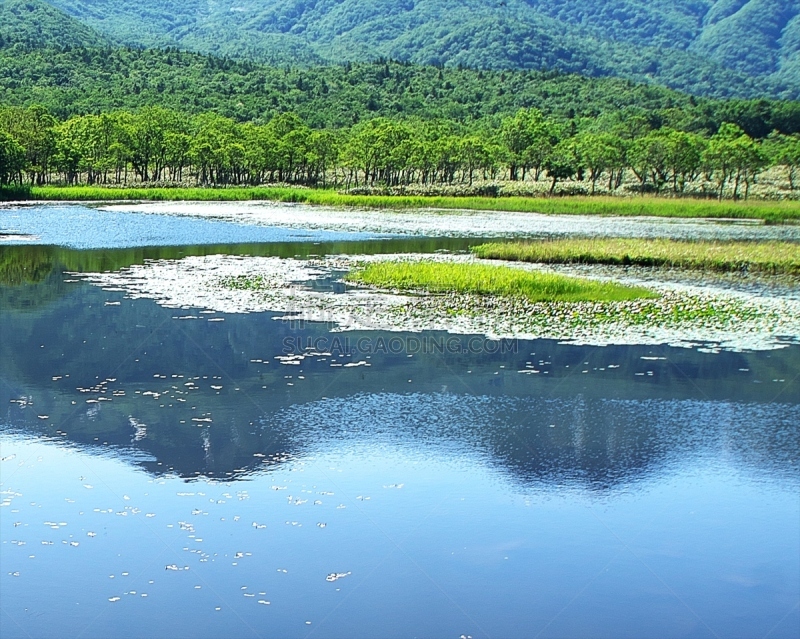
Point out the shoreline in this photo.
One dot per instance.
(767, 212)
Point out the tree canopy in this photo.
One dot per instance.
(159, 145)
(720, 48)
(79, 80)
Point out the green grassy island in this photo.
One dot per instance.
(761, 257)
(480, 279)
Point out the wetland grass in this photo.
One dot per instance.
(770, 212)
(482, 279)
(761, 257)
(153, 194)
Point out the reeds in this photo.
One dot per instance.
(762, 257)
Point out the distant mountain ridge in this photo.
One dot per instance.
(35, 24)
(722, 48)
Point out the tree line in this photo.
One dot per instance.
(159, 145)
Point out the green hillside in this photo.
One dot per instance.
(744, 48)
(757, 38)
(80, 81)
(50, 59)
(35, 24)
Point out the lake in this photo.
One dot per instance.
(188, 473)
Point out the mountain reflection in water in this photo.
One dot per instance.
(199, 398)
(175, 472)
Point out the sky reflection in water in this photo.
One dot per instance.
(56, 224)
(171, 477)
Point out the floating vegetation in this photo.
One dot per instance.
(673, 311)
(335, 576)
(681, 311)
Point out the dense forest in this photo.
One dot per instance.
(157, 145)
(73, 80)
(77, 108)
(722, 48)
(50, 59)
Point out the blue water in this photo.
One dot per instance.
(169, 473)
(81, 227)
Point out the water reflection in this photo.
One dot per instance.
(22, 268)
(56, 224)
(172, 472)
(221, 399)
(591, 443)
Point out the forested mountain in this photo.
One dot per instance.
(78, 107)
(77, 80)
(37, 25)
(51, 59)
(706, 47)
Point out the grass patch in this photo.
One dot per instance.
(102, 194)
(763, 257)
(484, 279)
(14, 193)
(772, 212)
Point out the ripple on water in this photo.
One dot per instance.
(461, 223)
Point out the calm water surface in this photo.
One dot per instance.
(86, 227)
(186, 474)
(180, 223)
